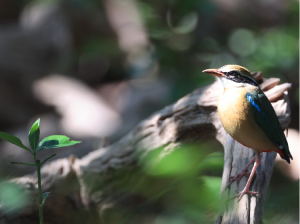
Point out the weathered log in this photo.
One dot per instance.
(94, 178)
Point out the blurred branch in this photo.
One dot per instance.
(126, 21)
(192, 118)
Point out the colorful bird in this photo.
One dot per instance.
(248, 116)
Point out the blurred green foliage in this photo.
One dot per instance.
(13, 198)
(173, 186)
(184, 49)
(178, 162)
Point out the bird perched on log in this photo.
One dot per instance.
(248, 116)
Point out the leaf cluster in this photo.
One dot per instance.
(52, 141)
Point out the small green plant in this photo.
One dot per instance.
(53, 141)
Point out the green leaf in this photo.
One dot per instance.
(34, 134)
(45, 195)
(14, 140)
(56, 141)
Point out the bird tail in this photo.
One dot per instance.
(286, 155)
(283, 151)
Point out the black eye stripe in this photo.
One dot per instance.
(237, 77)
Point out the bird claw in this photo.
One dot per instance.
(246, 191)
(241, 194)
(244, 174)
(238, 177)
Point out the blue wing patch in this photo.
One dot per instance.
(250, 99)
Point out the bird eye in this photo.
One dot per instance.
(232, 73)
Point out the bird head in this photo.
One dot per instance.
(232, 76)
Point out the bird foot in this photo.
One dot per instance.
(238, 177)
(244, 172)
(246, 191)
(241, 194)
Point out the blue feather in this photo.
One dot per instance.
(250, 99)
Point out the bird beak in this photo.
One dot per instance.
(215, 72)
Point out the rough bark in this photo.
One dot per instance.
(93, 179)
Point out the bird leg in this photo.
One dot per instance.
(246, 189)
(239, 176)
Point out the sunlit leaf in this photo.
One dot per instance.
(56, 141)
(14, 140)
(34, 134)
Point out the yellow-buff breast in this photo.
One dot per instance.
(236, 115)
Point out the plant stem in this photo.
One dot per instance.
(38, 166)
